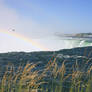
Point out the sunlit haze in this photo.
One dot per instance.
(35, 23)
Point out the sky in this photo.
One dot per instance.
(41, 19)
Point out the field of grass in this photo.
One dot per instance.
(52, 78)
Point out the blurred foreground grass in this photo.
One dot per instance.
(52, 78)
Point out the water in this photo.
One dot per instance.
(56, 43)
(52, 43)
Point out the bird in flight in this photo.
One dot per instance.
(13, 29)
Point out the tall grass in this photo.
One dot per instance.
(52, 78)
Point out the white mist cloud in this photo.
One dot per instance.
(9, 18)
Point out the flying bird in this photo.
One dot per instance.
(13, 29)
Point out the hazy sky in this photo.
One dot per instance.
(39, 19)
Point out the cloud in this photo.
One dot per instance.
(10, 18)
